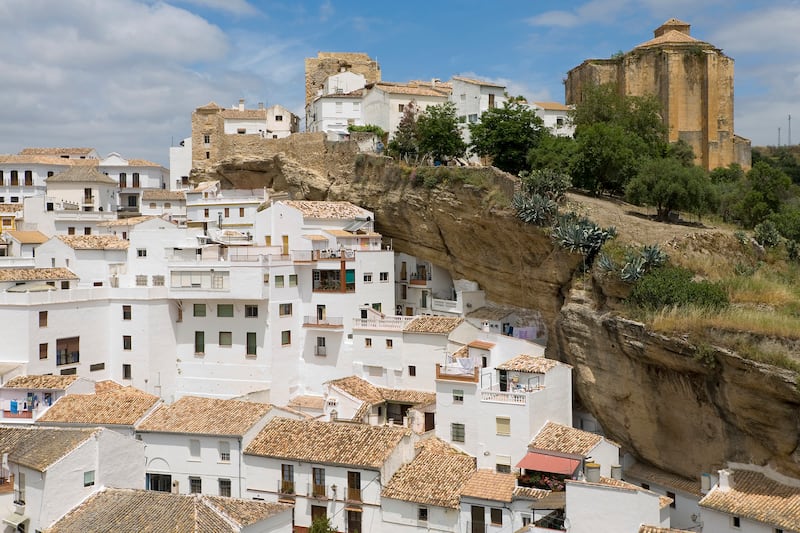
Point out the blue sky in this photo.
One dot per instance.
(125, 75)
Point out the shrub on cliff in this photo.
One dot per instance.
(674, 287)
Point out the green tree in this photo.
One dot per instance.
(507, 134)
(668, 185)
(761, 193)
(438, 135)
(607, 156)
(405, 143)
(553, 152)
(322, 525)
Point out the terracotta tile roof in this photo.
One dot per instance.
(530, 493)
(411, 90)
(106, 385)
(656, 529)
(433, 324)
(206, 416)
(674, 22)
(488, 312)
(161, 194)
(414, 397)
(665, 479)
(28, 237)
(359, 388)
(40, 382)
(371, 395)
(134, 511)
(436, 476)
(94, 242)
(553, 106)
(327, 210)
(307, 402)
(672, 37)
(130, 221)
(530, 364)
(565, 439)
(38, 448)
(80, 174)
(490, 485)
(124, 406)
(481, 345)
(357, 235)
(36, 274)
(142, 163)
(52, 161)
(358, 93)
(327, 442)
(663, 501)
(246, 114)
(11, 208)
(755, 496)
(479, 82)
(56, 151)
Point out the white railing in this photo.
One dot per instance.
(504, 397)
(437, 304)
(394, 323)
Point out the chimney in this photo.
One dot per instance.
(592, 472)
(241, 104)
(705, 483)
(616, 472)
(261, 105)
(725, 482)
(485, 327)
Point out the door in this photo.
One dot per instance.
(320, 313)
(478, 519)
(504, 380)
(430, 421)
(285, 244)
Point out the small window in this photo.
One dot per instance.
(266, 279)
(251, 343)
(43, 350)
(389, 344)
(457, 432)
(422, 514)
(65, 284)
(646, 486)
(87, 231)
(368, 277)
(241, 131)
(368, 343)
(199, 342)
(400, 107)
(503, 425)
(251, 311)
(672, 496)
(503, 464)
(195, 485)
(127, 342)
(96, 367)
(278, 282)
(225, 338)
(285, 309)
(458, 395)
(42, 319)
(496, 516)
(384, 276)
(736, 522)
(126, 312)
(71, 230)
(225, 310)
(225, 488)
(88, 478)
(241, 212)
(167, 205)
(127, 373)
(412, 370)
(158, 280)
(194, 448)
(227, 212)
(205, 213)
(278, 118)
(206, 139)
(141, 280)
(293, 280)
(152, 205)
(286, 338)
(199, 309)
(224, 451)
(141, 252)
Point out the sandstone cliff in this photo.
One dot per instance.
(683, 412)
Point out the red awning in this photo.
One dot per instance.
(548, 463)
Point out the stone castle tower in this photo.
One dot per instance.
(329, 63)
(693, 81)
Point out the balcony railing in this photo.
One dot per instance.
(88, 199)
(394, 323)
(452, 306)
(327, 322)
(321, 351)
(286, 487)
(353, 494)
(504, 397)
(457, 373)
(319, 492)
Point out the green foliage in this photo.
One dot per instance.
(535, 209)
(766, 234)
(638, 263)
(580, 235)
(549, 183)
(668, 185)
(367, 128)
(607, 156)
(730, 174)
(787, 221)
(682, 151)
(605, 263)
(507, 134)
(438, 135)
(706, 355)
(552, 152)
(674, 287)
(322, 525)
(405, 143)
(760, 193)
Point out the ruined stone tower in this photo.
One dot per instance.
(693, 81)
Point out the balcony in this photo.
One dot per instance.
(454, 372)
(447, 306)
(392, 323)
(353, 494)
(330, 322)
(88, 200)
(419, 279)
(321, 351)
(286, 488)
(515, 398)
(319, 492)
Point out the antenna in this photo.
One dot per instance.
(790, 130)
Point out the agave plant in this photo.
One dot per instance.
(535, 209)
(633, 270)
(653, 256)
(605, 263)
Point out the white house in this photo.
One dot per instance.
(473, 97)
(112, 509)
(164, 203)
(180, 165)
(684, 511)
(384, 103)
(55, 469)
(752, 499)
(24, 243)
(555, 117)
(338, 105)
(194, 446)
(208, 206)
(25, 398)
(327, 469)
(94, 258)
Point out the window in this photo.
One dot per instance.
(227, 212)
(194, 449)
(736, 522)
(491, 101)
(96, 367)
(367, 343)
(368, 277)
(68, 351)
(141, 280)
(65, 284)
(225, 488)
(412, 370)
(225, 338)
(318, 480)
(646, 486)
(123, 180)
(266, 279)
(206, 139)
(503, 424)
(225, 310)
(457, 432)
(502, 464)
(321, 348)
(158, 280)
(42, 319)
(293, 280)
(126, 371)
(126, 342)
(141, 252)
(87, 231)
(152, 205)
(251, 311)
(195, 485)
(28, 178)
(496, 516)
(135, 184)
(224, 451)
(88, 478)
(458, 395)
(422, 514)
(354, 487)
(68, 371)
(286, 338)
(278, 118)
(71, 230)
(251, 343)
(167, 205)
(126, 312)
(199, 309)
(285, 309)
(278, 282)
(671, 495)
(43, 350)
(199, 342)
(14, 178)
(241, 131)
(339, 106)
(389, 344)
(205, 213)
(384, 276)
(400, 107)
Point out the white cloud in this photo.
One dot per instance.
(326, 11)
(238, 7)
(561, 19)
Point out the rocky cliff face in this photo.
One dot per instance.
(683, 412)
